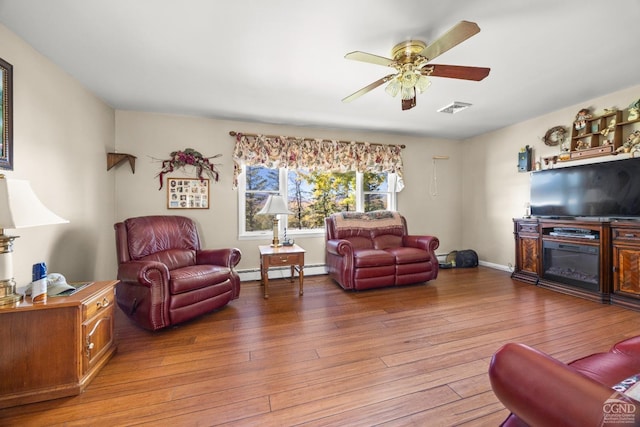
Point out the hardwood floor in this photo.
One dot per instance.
(416, 355)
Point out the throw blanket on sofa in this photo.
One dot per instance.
(368, 220)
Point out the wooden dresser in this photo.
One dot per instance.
(55, 349)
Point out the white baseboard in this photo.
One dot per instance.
(495, 266)
(280, 272)
(319, 269)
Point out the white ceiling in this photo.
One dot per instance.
(282, 61)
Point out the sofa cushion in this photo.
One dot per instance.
(372, 258)
(360, 242)
(384, 273)
(385, 241)
(405, 255)
(196, 276)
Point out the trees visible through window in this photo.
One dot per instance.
(311, 196)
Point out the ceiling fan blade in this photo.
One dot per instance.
(408, 104)
(369, 57)
(456, 35)
(368, 88)
(456, 72)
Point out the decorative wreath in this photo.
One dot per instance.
(554, 136)
(189, 156)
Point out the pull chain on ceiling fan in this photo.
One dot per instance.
(411, 60)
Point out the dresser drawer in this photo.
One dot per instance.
(97, 303)
(285, 259)
(628, 234)
(528, 228)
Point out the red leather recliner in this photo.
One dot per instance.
(374, 249)
(165, 277)
(542, 391)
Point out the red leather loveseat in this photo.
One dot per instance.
(374, 249)
(165, 276)
(542, 391)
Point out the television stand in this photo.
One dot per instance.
(565, 255)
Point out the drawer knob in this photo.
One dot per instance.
(90, 346)
(104, 303)
(629, 235)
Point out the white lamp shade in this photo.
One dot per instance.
(275, 205)
(21, 208)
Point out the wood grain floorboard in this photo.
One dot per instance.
(410, 356)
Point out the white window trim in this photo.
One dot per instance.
(243, 234)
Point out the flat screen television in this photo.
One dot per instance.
(609, 189)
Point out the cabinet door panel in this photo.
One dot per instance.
(98, 337)
(528, 248)
(627, 276)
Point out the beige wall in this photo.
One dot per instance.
(153, 136)
(61, 135)
(494, 192)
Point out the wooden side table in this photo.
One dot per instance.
(281, 256)
(55, 349)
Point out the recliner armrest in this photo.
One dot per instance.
(339, 247)
(427, 243)
(228, 257)
(146, 273)
(543, 391)
(630, 346)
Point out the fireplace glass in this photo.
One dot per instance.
(571, 264)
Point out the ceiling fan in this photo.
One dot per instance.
(411, 60)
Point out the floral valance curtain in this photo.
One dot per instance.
(316, 154)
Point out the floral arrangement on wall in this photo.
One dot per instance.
(190, 157)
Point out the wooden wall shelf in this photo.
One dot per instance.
(117, 158)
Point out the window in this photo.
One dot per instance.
(311, 195)
(376, 193)
(260, 182)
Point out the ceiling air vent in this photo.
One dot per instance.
(454, 107)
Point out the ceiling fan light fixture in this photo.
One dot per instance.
(408, 92)
(423, 83)
(393, 87)
(409, 79)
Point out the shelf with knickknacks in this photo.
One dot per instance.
(629, 131)
(612, 132)
(631, 144)
(589, 134)
(634, 111)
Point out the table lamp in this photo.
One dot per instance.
(275, 206)
(19, 208)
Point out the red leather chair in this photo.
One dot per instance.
(165, 277)
(542, 391)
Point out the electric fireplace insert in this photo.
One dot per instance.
(573, 264)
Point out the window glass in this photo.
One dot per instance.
(260, 182)
(375, 191)
(312, 196)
